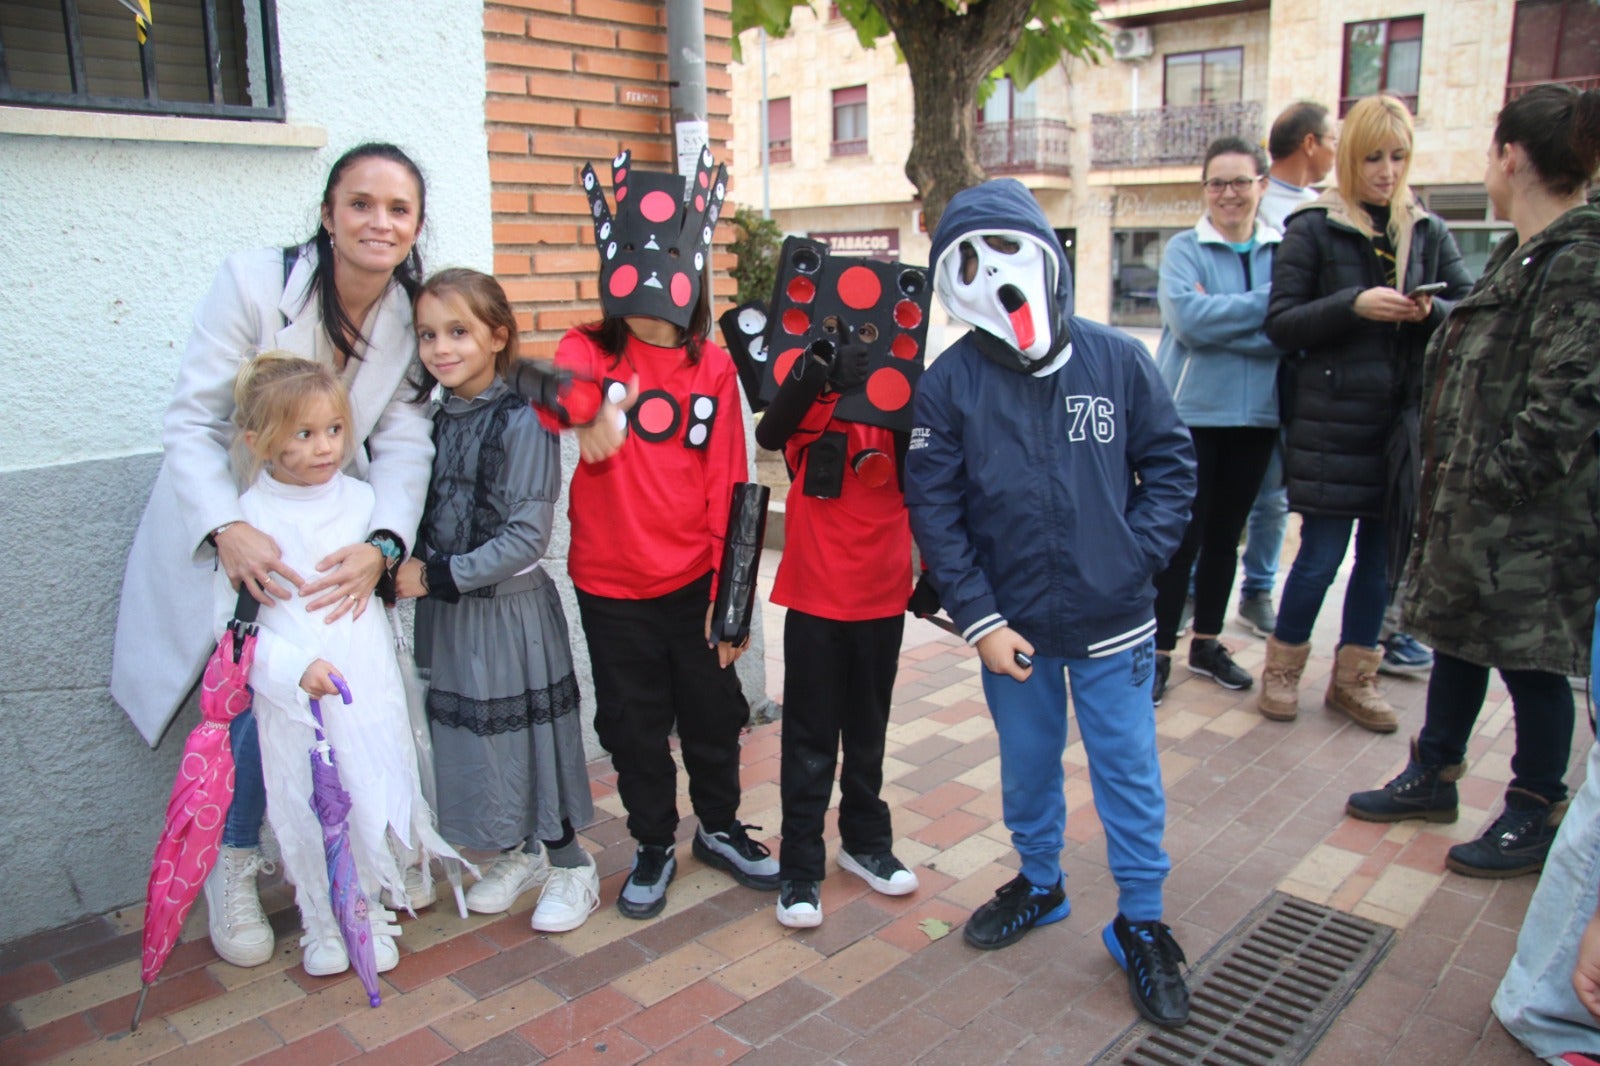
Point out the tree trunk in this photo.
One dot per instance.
(949, 54)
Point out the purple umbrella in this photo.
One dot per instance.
(332, 804)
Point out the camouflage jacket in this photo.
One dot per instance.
(1505, 565)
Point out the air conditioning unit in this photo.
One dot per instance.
(1132, 43)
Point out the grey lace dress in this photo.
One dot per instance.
(502, 698)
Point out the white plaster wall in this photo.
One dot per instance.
(108, 244)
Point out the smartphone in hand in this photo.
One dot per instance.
(1433, 288)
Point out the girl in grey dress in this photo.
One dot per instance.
(502, 698)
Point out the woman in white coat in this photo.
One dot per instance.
(344, 299)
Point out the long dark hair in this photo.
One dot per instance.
(1559, 128)
(611, 333)
(344, 333)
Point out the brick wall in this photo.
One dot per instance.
(570, 82)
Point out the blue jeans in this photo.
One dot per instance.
(249, 807)
(1323, 541)
(1111, 698)
(1263, 542)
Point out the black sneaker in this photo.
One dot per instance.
(1255, 613)
(1018, 906)
(1427, 792)
(800, 905)
(1158, 684)
(1515, 844)
(645, 891)
(731, 849)
(1210, 658)
(881, 870)
(1154, 964)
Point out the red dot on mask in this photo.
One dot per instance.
(888, 389)
(623, 280)
(796, 321)
(682, 289)
(655, 415)
(622, 193)
(784, 363)
(657, 206)
(903, 347)
(699, 202)
(859, 288)
(703, 178)
(907, 315)
(801, 290)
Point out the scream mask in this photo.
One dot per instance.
(653, 250)
(1003, 283)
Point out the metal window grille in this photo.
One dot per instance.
(201, 58)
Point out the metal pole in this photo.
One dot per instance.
(766, 135)
(686, 73)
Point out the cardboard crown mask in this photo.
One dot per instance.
(653, 250)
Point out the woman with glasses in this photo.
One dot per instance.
(1362, 278)
(1222, 370)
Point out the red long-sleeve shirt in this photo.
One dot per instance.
(846, 559)
(651, 518)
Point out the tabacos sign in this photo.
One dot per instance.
(873, 243)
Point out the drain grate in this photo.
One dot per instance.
(1267, 992)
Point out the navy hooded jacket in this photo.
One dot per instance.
(1046, 501)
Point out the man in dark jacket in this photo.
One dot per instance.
(1049, 479)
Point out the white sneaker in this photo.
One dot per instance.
(323, 956)
(416, 896)
(385, 952)
(508, 876)
(239, 929)
(569, 897)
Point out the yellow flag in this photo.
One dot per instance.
(141, 17)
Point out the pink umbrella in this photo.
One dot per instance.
(201, 795)
(332, 804)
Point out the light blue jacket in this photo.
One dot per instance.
(1214, 353)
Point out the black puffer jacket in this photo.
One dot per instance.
(1352, 378)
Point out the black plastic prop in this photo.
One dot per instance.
(741, 559)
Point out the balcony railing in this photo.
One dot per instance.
(1027, 145)
(1167, 136)
(1517, 88)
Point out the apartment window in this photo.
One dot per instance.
(780, 149)
(1554, 40)
(209, 58)
(1007, 103)
(850, 121)
(1384, 56)
(1196, 78)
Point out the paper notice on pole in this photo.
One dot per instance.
(693, 135)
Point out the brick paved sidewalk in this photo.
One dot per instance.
(1254, 805)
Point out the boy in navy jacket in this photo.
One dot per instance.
(1049, 479)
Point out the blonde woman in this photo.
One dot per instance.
(1363, 276)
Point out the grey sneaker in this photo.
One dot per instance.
(731, 849)
(645, 892)
(1256, 614)
(885, 873)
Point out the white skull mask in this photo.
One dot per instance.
(1002, 282)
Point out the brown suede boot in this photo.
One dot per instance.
(1280, 680)
(1353, 689)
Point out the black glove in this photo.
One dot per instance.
(849, 367)
(541, 383)
(924, 600)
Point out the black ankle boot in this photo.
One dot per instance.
(1427, 792)
(1516, 843)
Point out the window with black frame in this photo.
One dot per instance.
(201, 58)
